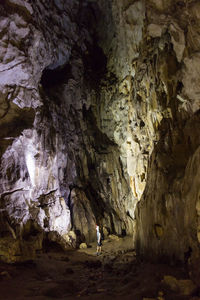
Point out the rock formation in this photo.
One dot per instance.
(59, 170)
(99, 124)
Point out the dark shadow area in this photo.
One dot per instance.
(14, 121)
(53, 77)
(52, 246)
(95, 63)
(94, 59)
(99, 141)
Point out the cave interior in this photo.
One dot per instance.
(99, 126)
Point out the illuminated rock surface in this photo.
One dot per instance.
(100, 124)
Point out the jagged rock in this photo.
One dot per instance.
(155, 30)
(71, 238)
(66, 241)
(83, 218)
(9, 250)
(158, 231)
(184, 287)
(105, 232)
(13, 250)
(44, 152)
(113, 237)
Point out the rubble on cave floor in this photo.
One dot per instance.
(117, 273)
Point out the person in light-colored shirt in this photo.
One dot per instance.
(99, 243)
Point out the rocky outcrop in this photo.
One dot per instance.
(59, 171)
(159, 117)
(167, 215)
(150, 100)
(32, 163)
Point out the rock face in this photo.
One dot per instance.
(100, 123)
(59, 171)
(167, 215)
(159, 89)
(153, 110)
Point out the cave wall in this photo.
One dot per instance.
(100, 123)
(60, 174)
(167, 215)
(171, 230)
(154, 107)
(34, 160)
(150, 109)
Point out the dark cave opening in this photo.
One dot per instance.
(53, 77)
(95, 64)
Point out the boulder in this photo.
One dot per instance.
(184, 287)
(113, 237)
(83, 246)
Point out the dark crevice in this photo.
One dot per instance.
(14, 122)
(95, 63)
(53, 77)
(99, 140)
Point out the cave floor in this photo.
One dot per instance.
(115, 274)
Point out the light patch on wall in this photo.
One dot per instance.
(30, 162)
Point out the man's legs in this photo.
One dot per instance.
(98, 249)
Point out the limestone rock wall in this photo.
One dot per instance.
(34, 157)
(159, 105)
(167, 215)
(59, 173)
(100, 123)
(150, 109)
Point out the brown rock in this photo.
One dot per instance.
(184, 286)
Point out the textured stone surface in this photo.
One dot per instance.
(184, 287)
(150, 109)
(58, 169)
(166, 216)
(100, 122)
(34, 166)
